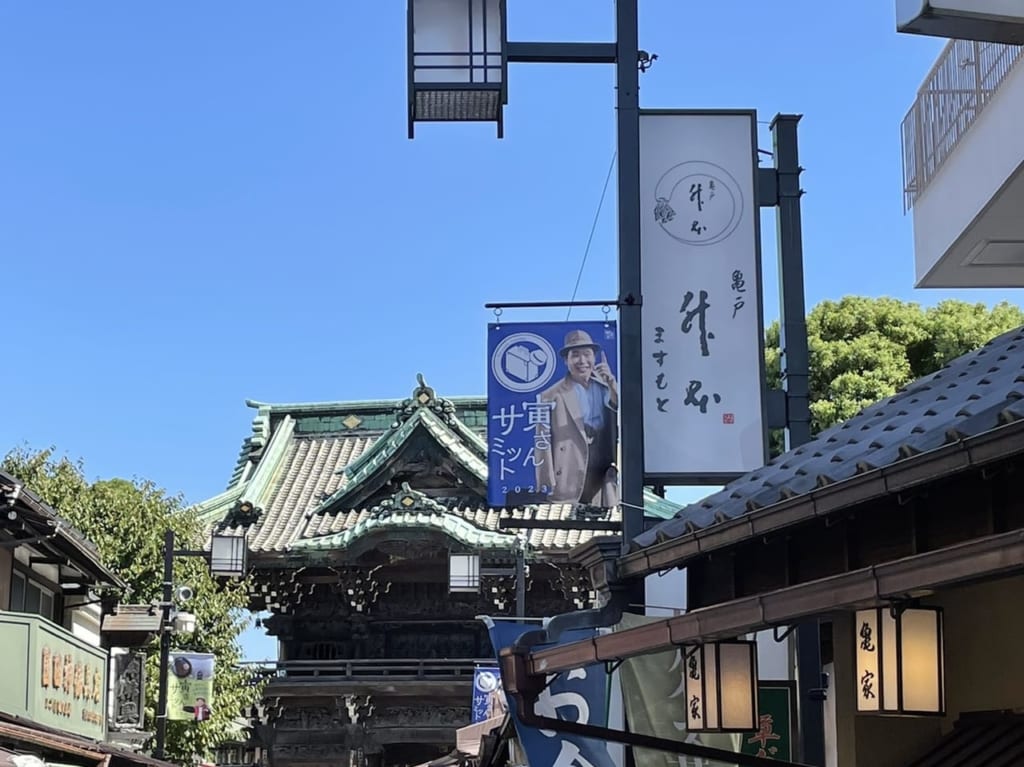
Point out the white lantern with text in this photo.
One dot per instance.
(900, 661)
(721, 687)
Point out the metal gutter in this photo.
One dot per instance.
(965, 453)
(991, 556)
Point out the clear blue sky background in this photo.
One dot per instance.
(203, 202)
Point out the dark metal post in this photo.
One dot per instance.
(521, 580)
(796, 384)
(631, 358)
(165, 644)
(631, 413)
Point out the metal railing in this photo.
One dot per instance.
(400, 668)
(961, 84)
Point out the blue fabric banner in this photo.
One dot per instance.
(488, 697)
(552, 408)
(580, 695)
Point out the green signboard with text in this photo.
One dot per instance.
(776, 706)
(52, 677)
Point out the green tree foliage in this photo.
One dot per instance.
(865, 349)
(127, 520)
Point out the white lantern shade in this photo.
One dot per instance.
(458, 41)
(899, 661)
(228, 555)
(457, 60)
(721, 687)
(463, 573)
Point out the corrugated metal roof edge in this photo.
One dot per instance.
(994, 444)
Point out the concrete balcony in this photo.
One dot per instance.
(963, 168)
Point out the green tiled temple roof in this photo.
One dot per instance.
(453, 525)
(303, 462)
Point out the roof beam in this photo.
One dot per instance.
(988, 557)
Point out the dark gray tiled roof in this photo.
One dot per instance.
(971, 395)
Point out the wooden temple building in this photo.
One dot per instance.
(357, 516)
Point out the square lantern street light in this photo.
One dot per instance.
(228, 555)
(226, 559)
(900, 666)
(721, 687)
(463, 573)
(457, 61)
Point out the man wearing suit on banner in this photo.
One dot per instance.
(577, 445)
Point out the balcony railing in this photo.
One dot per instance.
(960, 85)
(397, 669)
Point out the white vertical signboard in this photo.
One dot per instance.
(703, 362)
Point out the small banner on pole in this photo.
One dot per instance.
(488, 696)
(552, 413)
(190, 688)
(703, 364)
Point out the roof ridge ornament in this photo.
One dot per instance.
(242, 514)
(408, 499)
(423, 396)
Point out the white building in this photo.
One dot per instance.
(963, 145)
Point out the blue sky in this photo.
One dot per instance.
(206, 202)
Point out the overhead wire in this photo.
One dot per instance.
(593, 228)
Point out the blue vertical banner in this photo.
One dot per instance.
(488, 696)
(580, 695)
(552, 413)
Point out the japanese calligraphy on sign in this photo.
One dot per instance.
(702, 328)
(579, 695)
(868, 647)
(773, 739)
(552, 413)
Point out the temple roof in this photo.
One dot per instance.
(978, 392)
(317, 476)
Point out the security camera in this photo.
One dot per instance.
(184, 593)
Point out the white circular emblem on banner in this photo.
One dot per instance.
(486, 681)
(698, 203)
(524, 362)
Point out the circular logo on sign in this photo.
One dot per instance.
(523, 362)
(486, 681)
(698, 203)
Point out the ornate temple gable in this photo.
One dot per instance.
(318, 468)
(425, 397)
(426, 446)
(408, 511)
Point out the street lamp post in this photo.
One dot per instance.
(226, 558)
(458, 56)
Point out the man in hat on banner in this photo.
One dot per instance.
(576, 450)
